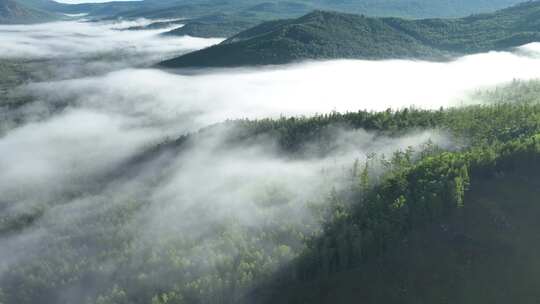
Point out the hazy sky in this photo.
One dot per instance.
(89, 1)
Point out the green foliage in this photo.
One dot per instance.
(473, 125)
(384, 200)
(251, 9)
(115, 296)
(282, 9)
(211, 29)
(327, 35)
(517, 91)
(408, 199)
(484, 252)
(12, 74)
(13, 12)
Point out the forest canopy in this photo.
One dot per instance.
(380, 201)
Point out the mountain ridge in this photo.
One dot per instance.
(323, 35)
(13, 12)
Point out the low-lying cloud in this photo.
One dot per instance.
(190, 101)
(177, 200)
(75, 39)
(66, 151)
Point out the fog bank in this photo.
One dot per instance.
(81, 168)
(69, 39)
(186, 102)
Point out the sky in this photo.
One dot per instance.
(89, 1)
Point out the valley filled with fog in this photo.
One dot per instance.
(90, 129)
(104, 67)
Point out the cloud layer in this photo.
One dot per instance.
(73, 152)
(188, 101)
(76, 39)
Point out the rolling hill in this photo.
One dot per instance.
(416, 8)
(212, 29)
(263, 10)
(455, 226)
(401, 8)
(332, 35)
(12, 12)
(241, 15)
(486, 254)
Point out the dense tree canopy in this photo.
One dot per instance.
(330, 35)
(387, 198)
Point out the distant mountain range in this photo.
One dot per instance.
(213, 26)
(15, 12)
(249, 11)
(380, 8)
(332, 35)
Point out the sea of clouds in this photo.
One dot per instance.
(60, 151)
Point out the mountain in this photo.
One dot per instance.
(486, 253)
(12, 12)
(98, 10)
(380, 8)
(44, 5)
(211, 29)
(263, 10)
(436, 226)
(227, 24)
(415, 8)
(332, 35)
(316, 35)
(242, 14)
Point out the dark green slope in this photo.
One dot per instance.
(413, 219)
(12, 12)
(330, 35)
(487, 255)
(315, 36)
(503, 29)
(228, 24)
(218, 25)
(243, 14)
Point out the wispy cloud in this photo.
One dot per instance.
(75, 39)
(69, 148)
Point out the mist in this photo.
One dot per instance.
(84, 189)
(78, 38)
(74, 49)
(176, 102)
(81, 157)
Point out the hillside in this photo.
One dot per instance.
(242, 14)
(436, 223)
(262, 10)
(219, 25)
(44, 5)
(12, 12)
(416, 8)
(98, 9)
(486, 254)
(330, 35)
(381, 8)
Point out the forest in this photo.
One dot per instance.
(412, 179)
(365, 218)
(323, 35)
(158, 8)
